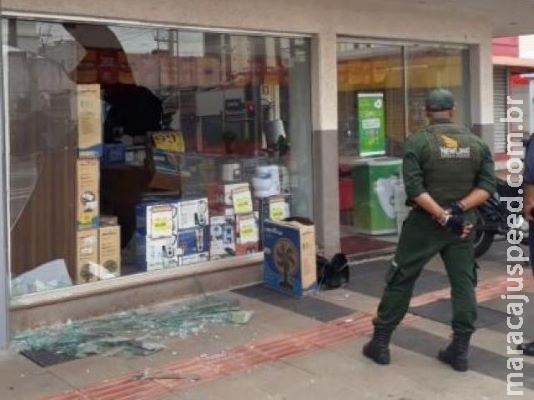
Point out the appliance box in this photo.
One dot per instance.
(222, 236)
(156, 219)
(89, 109)
(193, 213)
(155, 254)
(193, 240)
(86, 255)
(109, 239)
(88, 192)
(289, 265)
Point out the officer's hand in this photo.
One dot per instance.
(456, 208)
(453, 222)
(468, 228)
(456, 224)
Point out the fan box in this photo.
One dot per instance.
(289, 264)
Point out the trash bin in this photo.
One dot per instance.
(374, 191)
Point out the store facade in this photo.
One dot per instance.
(244, 92)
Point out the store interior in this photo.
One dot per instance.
(137, 149)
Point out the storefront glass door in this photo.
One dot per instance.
(381, 99)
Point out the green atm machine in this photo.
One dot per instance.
(374, 183)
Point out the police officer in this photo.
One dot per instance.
(448, 171)
(528, 202)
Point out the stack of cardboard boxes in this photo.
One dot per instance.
(234, 229)
(98, 253)
(171, 233)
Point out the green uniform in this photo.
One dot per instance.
(448, 162)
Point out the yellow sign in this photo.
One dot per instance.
(248, 231)
(277, 211)
(242, 201)
(172, 141)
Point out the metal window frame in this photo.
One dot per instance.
(401, 42)
(50, 17)
(5, 269)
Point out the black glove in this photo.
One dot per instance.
(455, 223)
(455, 208)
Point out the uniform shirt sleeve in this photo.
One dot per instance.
(486, 177)
(412, 170)
(528, 173)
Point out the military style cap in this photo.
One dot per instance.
(440, 100)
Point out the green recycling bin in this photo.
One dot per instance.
(374, 190)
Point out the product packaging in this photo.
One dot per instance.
(222, 236)
(109, 255)
(89, 120)
(290, 265)
(88, 192)
(86, 256)
(192, 213)
(193, 240)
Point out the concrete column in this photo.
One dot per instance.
(4, 223)
(325, 141)
(481, 73)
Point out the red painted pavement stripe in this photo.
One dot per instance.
(243, 357)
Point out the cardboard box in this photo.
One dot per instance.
(109, 220)
(88, 192)
(193, 213)
(109, 253)
(89, 120)
(221, 194)
(193, 240)
(289, 265)
(86, 255)
(155, 254)
(194, 259)
(156, 219)
(222, 237)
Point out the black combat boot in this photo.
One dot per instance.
(378, 348)
(528, 348)
(456, 353)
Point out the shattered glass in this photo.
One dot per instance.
(138, 332)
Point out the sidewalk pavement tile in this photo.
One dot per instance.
(31, 387)
(91, 370)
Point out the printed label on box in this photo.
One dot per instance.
(247, 228)
(242, 201)
(160, 221)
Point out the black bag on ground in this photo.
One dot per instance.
(334, 273)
